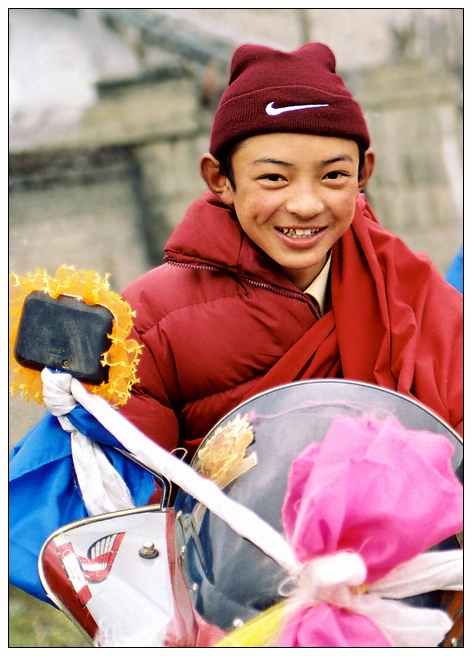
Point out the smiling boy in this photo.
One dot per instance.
(281, 272)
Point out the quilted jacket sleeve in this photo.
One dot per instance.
(149, 407)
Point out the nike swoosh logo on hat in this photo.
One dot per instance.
(275, 111)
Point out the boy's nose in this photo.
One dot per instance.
(305, 204)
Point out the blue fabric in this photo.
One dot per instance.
(455, 273)
(43, 492)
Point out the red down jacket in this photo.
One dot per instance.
(218, 316)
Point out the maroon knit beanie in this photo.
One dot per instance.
(274, 91)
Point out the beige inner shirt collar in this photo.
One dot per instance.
(317, 289)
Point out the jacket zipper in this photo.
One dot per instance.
(305, 298)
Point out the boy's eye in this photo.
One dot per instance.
(272, 177)
(335, 175)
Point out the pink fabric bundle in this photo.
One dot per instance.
(376, 490)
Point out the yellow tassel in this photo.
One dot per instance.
(122, 357)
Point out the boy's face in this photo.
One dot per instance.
(295, 196)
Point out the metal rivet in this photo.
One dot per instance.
(194, 587)
(182, 550)
(148, 550)
(237, 622)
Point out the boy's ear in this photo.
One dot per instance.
(369, 163)
(216, 181)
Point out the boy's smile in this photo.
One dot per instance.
(295, 196)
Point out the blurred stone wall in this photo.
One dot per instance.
(106, 195)
(79, 213)
(414, 114)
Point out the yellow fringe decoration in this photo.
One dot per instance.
(261, 631)
(122, 357)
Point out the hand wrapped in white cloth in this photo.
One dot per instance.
(103, 490)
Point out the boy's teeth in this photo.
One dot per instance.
(292, 232)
